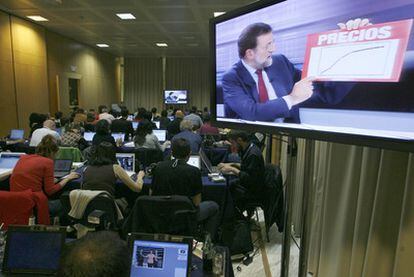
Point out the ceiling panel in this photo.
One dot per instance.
(181, 27)
(183, 24)
(163, 14)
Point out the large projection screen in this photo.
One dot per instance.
(358, 56)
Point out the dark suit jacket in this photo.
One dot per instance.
(123, 126)
(241, 99)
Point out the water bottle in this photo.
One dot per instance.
(32, 220)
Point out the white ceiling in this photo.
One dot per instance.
(183, 24)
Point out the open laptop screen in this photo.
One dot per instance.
(88, 136)
(159, 258)
(9, 159)
(118, 136)
(194, 160)
(33, 251)
(16, 134)
(160, 134)
(62, 167)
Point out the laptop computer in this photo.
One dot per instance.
(118, 136)
(62, 167)
(33, 250)
(16, 134)
(207, 162)
(88, 136)
(195, 160)
(127, 162)
(135, 125)
(160, 134)
(9, 159)
(153, 255)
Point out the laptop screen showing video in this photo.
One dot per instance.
(88, 136)
(9, 160)
(160, 134)
(135, 125)
(155, 258)
(31, 252)
(126, 161)
(16, 134)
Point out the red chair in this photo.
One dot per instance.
(17, 207)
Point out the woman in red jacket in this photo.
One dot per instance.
(36, 172)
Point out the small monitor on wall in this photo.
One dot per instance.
(175, 96)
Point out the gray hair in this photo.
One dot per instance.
(186, 125)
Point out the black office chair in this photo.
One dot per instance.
(102, 208)
(271, 201)
(174, 215)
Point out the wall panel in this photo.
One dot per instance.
(95, 69)
(30, 68)
(8, 112)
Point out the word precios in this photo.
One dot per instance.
(355, 35)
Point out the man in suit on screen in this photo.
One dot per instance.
(267, 87)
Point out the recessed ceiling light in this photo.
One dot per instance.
(161, 44)
(218, 13)
(125, 16)
(37, 18)
(102, 45)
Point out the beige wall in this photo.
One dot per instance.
(35, 65)
(96, 70)
(30, 69)
(8, 112)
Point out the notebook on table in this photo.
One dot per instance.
(153, 255)
(62, 167)
(33, 250)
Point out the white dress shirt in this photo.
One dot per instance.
(270, 90)
(38, 134)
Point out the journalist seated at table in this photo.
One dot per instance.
(103, 171)
(250, 171)
(103, 133)
(36, 172)
(174, 126)
(187, 133)
(176, 177)
(122, 125)
(145, 138)
(49, 128)
(73, 136)
(164, 120)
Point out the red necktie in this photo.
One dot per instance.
(263, 97)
